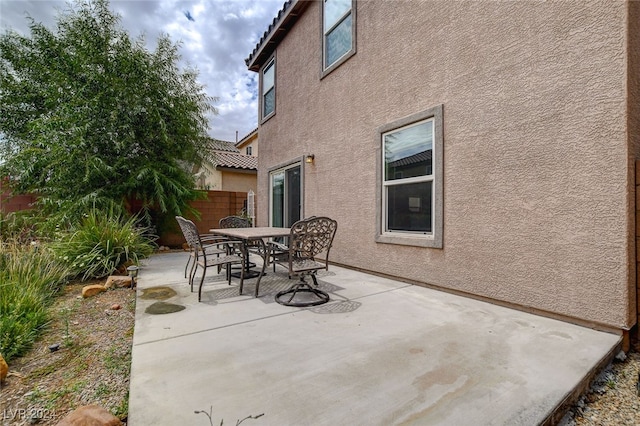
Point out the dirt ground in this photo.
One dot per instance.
(91, 365)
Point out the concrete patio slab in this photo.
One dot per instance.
(381, 352)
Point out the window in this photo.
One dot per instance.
(269, 89)
(410, 184)
(338, 23)
(248, 150)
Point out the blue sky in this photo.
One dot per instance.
(216, 36)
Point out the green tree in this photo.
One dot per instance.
(91, 118)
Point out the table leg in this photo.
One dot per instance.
(264, 253)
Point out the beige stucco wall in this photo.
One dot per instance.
(227, 180)
(250, 142)
(211, 179)
(538, 202)
(239, 181)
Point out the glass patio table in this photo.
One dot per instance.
(254, 237)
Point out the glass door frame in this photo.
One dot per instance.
(298, 162)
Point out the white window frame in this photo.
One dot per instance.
(327, 68)
(271, 64)
(421, 239)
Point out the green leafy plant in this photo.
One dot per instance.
(19, 227)
(102, 243)
(90, 117)
(29, 278)
(67, 339)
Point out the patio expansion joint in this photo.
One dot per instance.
(391, 290)
(262, 318)
(215, 328)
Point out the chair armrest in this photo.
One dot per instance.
(213, 238)
(278, 246)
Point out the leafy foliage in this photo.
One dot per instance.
(102, 243)
(19, 227)
(29, 277)
(90, 118)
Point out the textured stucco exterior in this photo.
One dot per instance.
(249, 141)
(239, 181)
(540, 141)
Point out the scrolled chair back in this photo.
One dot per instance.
(312, 236)
(190, 232)
(234, 222)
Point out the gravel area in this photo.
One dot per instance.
(613, 398)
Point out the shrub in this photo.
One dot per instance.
(20, 227)
(29, 278)
(102, 243)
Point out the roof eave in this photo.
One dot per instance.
(276, 32)
(237, 169)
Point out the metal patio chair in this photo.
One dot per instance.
(234, 222)
(205, 259)
(252, 247)
(308, 239)
(211, 243)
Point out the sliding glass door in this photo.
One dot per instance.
(286, 195)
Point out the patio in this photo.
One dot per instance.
(381, 352)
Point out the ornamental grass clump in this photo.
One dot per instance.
(102, 243)
(30, 276)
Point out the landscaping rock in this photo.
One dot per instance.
(92, 290)
(90, 415)
(4, 368)
(117, 281)
(115, 307)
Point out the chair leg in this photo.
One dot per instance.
(302, 287)
(192, 275)
(204, 272)
(187, 265)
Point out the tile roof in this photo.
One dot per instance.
(235, 160)
(218, 145)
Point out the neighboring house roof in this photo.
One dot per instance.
(235, 161)
(412, 159)
(286, 18)
(218, 145)
(247, 137)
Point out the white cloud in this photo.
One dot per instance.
(218, 39)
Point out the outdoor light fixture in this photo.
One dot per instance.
(309, 158)
(132, 271)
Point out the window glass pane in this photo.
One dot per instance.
(267, 77)
(277, 196)
(269, 102)
(408, 152)
(293, 195)
(334, 10)
(409, 207)
(338, 42)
